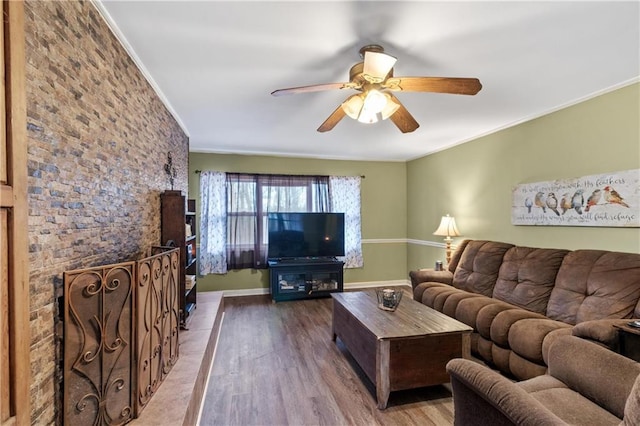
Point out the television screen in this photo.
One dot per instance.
(305, 235)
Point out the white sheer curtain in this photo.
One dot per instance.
(213, 223)
(345, 198)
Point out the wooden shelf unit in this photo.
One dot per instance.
(178, 217)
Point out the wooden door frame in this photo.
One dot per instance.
(13, 199)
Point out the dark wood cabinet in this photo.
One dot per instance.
(178, 217)
(304, 278)
(629, 341)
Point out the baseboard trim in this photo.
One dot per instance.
(347, 286)
(246, 292)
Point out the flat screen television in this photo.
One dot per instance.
(294, 235)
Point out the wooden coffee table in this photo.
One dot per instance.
(405, 349)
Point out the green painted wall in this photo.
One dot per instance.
(473, 181)
(384, 212)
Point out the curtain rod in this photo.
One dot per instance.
(266, 174)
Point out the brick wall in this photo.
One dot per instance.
(98, 140)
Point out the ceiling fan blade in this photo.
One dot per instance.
(332, 120)
(377, 66)
(312, 88)
(402, 118)
(456, 86)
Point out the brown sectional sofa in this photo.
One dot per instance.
(519, 300)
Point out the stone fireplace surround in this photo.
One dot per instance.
(97, 137)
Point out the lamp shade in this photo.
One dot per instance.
(447, 227)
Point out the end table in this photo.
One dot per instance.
(629, 338)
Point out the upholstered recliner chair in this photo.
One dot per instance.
(586, 384)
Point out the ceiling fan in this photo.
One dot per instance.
(373, 78)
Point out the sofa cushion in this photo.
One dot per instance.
(488, 313)
(479, 264)
(483, 348)
(595, 284)
(523, 369)
(468, 309)
(527, 276)
(456, 255)
(452, 302)
(540, 383)
(418, 291)
(573, 408)
(526, 336)
(438, 301)
(433, 293)
(500, 358)
(505, 320)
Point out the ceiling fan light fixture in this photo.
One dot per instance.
(370, 107)
(374, 78)
(353, 106)
(377, 66)
(377, 106)
(390, 108)
(375, 101)
(368, 116)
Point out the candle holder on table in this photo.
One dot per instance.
(388, 298)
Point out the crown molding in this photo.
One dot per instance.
(115, 30)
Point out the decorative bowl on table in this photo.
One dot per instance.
(388, 298)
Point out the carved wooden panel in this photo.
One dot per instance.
(157, 323)
(98, 345)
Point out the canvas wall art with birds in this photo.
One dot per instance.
(585, 201)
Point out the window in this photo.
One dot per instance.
(251, 197)
(233, 227)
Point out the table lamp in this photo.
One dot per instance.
(447, 229)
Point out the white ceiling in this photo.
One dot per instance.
(215, 63)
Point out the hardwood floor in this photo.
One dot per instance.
(277, 365)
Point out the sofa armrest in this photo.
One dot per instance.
(483, 397)
(550, 339)
(601, 331)
(594, 371)
(430, 275)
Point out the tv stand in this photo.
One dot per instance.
(304, 278)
